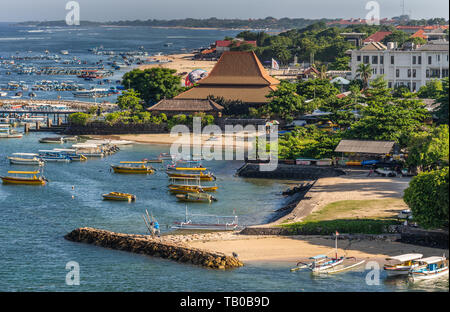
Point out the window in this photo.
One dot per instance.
(382, 59)
(374, 71)
(390, 85)
(414, 86)
(366, 59)
(397, 73)
(392, 59)
(381, 71)
(438, 58)
(428, 73)
(419, 60)
(429, 60)
(414, 59)
(444, 73)
(409, 73)
(414, 73)
(374, 59)
(358, 58)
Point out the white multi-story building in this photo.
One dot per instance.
(411, 66)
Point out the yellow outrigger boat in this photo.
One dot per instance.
(196, 197)
(176, 187)
(33, 180)
(119, 196)
(140, 167)
(202, 176)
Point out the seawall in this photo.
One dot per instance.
(156, 247)
(285, 171)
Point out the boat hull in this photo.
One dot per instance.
(119, 197)
(133, 170)
(31, 162)
(419, 276)
(201, 177)
(23, 181)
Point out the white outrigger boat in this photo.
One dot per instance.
(401, 264)
(25, 159)
(7, 133)
(322, 264)
(187, 224)
(429, 268)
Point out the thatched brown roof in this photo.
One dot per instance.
(186, 105)
(237, 75)
(365, 147)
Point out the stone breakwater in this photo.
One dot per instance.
(157, 247)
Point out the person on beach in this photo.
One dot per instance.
(152, 227)
(156, 228)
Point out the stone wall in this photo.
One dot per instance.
(284, 171)
(103, 128)
(156, 247)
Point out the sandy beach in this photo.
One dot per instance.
(293, 248)
(182, 63)
(236, 141)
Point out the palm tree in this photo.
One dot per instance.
(365, 72)
(323, 72)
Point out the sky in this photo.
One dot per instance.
(113, 10)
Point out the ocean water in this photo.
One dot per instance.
(34, 220)
(22, 41)
(34, 253)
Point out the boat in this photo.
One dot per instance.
(322, 264)
(402, 264)
(151, 161)
(181, 185)
(196, 197)
(187, 224)
(429, 268)
(119, 196)
(133, 167)
(71, 153)
(64, 52)
(32, 179)
(7, 133)
(54, 156)
(165, 156)
(52, 140)
(25, 159)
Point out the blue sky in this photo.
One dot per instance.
(106, 10)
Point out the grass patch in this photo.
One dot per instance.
(349, 226)
(365, 209)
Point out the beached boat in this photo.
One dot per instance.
(196, 197)
(7, 133)
(54, 156)
(401, 264)
(133, 167)
(24, 177)
(52, 140)
(25, 159)
(187, 224)
(429, 268)
(119, 196)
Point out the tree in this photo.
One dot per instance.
(153, 84)
(442, 99)
(428, 197)
(431, 90)
(130, 100)
(79, 118)
(364, 71)
(286, 102)
(341, 63)
(428, 149)
(397, 36)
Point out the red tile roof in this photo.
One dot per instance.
(420, 34)
(227, 43)
(377, 37)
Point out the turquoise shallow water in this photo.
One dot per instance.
(33, 252)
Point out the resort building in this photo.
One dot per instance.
(365, 149)
(410, 66)
(172, 107)
(237, 76)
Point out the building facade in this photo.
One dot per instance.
(411, 66)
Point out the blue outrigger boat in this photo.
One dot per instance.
(54, 156)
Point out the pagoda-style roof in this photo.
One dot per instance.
(237, 75)
(186, 105)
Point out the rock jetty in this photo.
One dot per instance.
(156, 247)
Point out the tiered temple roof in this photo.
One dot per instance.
(236, 76)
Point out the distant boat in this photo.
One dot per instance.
(25, 159)
(7, 133)
(19, 179)
(119, 196)
(64, 52)
(53, 140)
